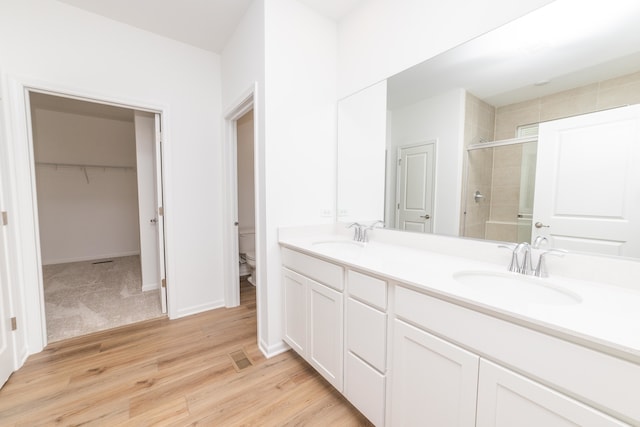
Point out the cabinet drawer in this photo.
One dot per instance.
(368, 289)
(364, 387)
(367, 333)
(322, 271)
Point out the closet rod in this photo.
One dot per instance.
(81, 166)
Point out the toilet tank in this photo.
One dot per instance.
(246, 241)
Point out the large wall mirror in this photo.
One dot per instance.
(458, 149)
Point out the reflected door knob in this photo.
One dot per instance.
(540, 225)
(427, 216)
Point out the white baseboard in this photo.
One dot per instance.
(195, 309)
(273, 350)
(88, 258)
(150, 287)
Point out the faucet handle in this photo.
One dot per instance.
(541, 268)
(514, 265)
(357, 232)
(375, 223)
(365, 237)
(539, 241)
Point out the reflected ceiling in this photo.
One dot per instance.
(574, 38)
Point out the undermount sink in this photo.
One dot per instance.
(517, 287)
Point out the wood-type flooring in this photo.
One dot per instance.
(172, 373)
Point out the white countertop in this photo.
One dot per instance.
(606, 319)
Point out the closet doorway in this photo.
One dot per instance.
(99, 198)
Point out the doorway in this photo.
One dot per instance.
(245, 104)
(245, 178)
(98, 188)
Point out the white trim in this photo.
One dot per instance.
(248, 100)
(274, 350)
(201, 308)
(90, 258)
(20, 148)
(150, 287)
(231, 255)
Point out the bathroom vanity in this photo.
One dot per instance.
(429, 330)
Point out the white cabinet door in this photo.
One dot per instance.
(434, 383)
(506, 399)
(325, 313)
(295, 310)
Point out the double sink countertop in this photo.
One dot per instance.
(597, 315)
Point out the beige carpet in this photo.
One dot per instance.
(85, 297)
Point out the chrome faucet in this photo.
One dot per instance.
(526, 265)
(539, 241)
(365, 237)
(515, 266)
(541, 268)
(357, 232)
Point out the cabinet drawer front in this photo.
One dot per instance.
(322, 271)
(586, 373)
(367, 333)
(368, 289)
(364, 387)
(507, 399)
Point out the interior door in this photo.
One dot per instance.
(7, 362)
(587, 192)
(415, 192)
(160, 204)
(7, 354)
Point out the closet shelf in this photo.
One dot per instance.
(83, 166)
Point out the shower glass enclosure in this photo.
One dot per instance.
(499, 190)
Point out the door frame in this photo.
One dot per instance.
(24, 188)
(246, 102)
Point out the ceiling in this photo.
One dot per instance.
(206, 24)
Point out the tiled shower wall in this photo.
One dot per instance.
(478, 126)
(496, 172)
(612, 93)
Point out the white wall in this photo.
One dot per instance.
(361, 154)
(440, 118)
(384, 37)
(300, 139)
(85, 219)
(242, 68)
(296, 151)
(53, 45)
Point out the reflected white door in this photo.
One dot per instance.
(6, 340)
(159, 202)
(415, 188)
(587, 195)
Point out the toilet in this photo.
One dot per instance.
(247, 246)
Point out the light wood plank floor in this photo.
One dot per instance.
(172, 373)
